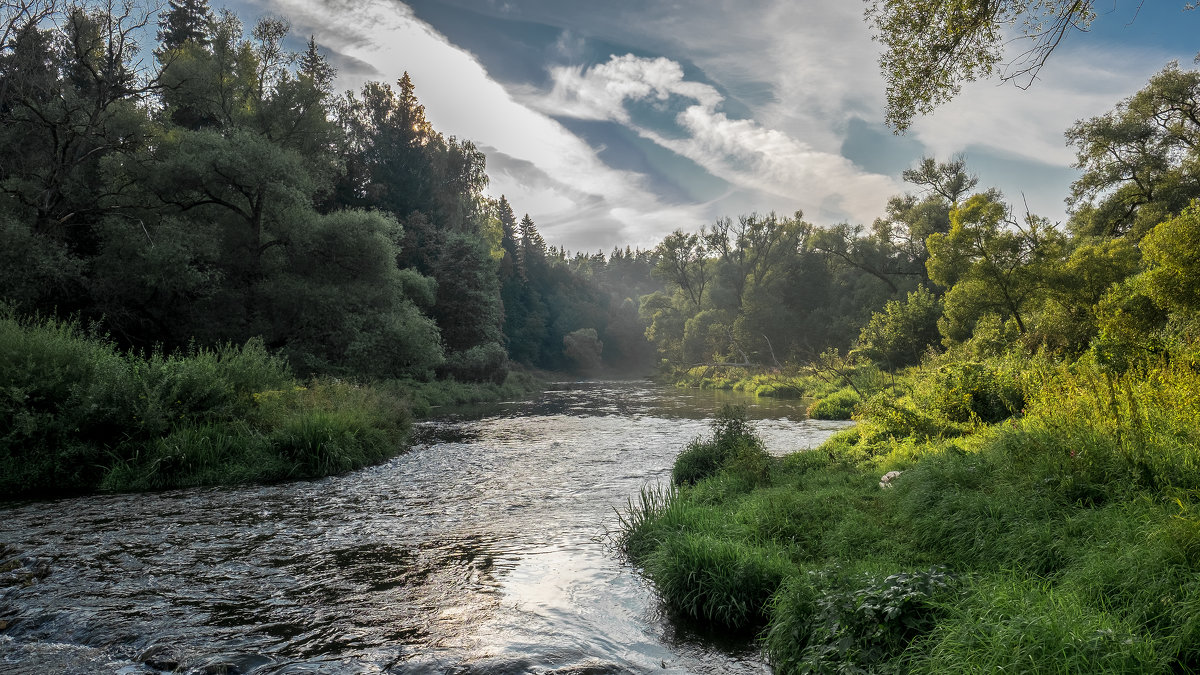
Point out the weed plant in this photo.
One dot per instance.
(733, 446)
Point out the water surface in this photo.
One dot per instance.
(483, 550)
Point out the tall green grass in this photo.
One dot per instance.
(1047, 519)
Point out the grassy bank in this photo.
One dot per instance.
(1046, 519)
(836, 389)
(82, 416)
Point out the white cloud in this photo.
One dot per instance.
(802, 67)
(740, 151)
(600, 92)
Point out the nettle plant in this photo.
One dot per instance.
(875, 622)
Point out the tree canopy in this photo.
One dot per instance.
(932, 47)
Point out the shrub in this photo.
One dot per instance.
(975, 391)
(486, 362)
(839, 405)
(903, 332)
(86, 417)
(699, 460)
(734, 445)
(835, 622)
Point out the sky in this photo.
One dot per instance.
(615, 122)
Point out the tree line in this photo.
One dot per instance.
(951, 266)
(216, 189)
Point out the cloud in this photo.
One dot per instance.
(1076, 84)
(740, 151)
(601, 91)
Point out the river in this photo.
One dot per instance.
(482, 550)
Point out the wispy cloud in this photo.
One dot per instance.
(740, 151)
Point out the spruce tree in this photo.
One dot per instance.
(314, 66)
(185, 21)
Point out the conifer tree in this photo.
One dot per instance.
(531, 254)
(314, 66)
(185, 21)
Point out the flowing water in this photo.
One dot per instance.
(483, 550)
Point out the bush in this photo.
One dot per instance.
(699, 460)
(903, 332)
(976, 392)
(839, 405)
(86, 417)
(834, 622)
(734, 445)
(487, 362)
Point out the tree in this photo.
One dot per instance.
(185, 21)
(584, 349)
(70, 97)
(531, 251)
(750, 252)
(683, 261)
(893, 250)
(1172, 252)
(903, 332)
(949, 180)
(931, 47)
(1139, 159)
(990, 263)
(314, 66)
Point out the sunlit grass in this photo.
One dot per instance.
(1063, 501)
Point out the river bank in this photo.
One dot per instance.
(86, 417)
(1005, 515)
(834, 388)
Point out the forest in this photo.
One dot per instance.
(215, 269)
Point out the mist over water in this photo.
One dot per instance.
(483, 550)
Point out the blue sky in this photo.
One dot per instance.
(614, 122)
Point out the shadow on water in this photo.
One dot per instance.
(480, 551)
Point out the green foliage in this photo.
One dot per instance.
(481, 363)
(35, 270)
(734, 446)
(1067, 537)
(828, 621)
(1008, 624)
(715, 580)
(903, 332)
(584, 348)
(967, 392)
(1172, 253)
(932, 48)
(85, 416)
(991, 264)
(1138, 159)
(839, 405)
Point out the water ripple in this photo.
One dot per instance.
(480, 551)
